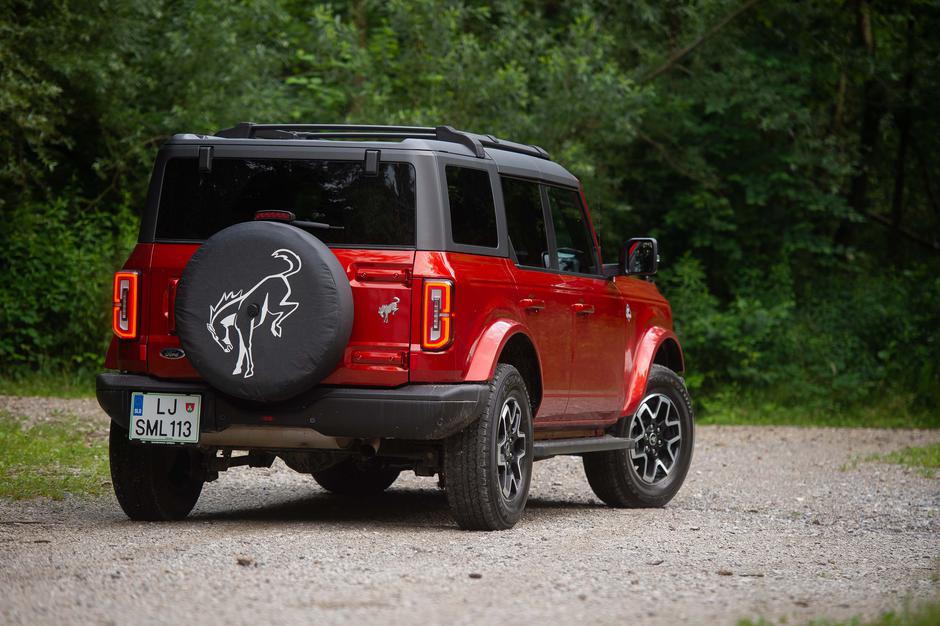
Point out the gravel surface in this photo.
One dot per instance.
(772, 522)
(34, 410)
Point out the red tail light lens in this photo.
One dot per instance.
(437, 330)
(124, 320)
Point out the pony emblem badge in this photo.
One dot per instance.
(389, 309)
(267, 302)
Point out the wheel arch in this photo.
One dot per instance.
(505, 341)
(669, 354)
(657, 345)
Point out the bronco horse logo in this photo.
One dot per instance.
(234, 311)
(388, 309)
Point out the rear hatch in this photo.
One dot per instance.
(367, 219)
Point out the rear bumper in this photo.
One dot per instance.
(422, 412)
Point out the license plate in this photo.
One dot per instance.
(165, 417)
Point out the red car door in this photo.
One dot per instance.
(599, 324)
(539, 292)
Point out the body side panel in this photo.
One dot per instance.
(653, 326)
(483, 294)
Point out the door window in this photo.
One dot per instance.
(526, 222)
(575, 250)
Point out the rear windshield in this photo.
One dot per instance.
(363, 209)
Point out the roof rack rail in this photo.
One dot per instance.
(475, 143)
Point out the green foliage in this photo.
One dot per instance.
(787, 162)
(49, 460)
(854, 338)
(56, 277)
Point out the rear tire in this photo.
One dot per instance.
(488, 465)
(154, 482)
(650, 476)
(356, 478)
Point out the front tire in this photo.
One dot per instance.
(154, 482)
(488, 465)
(650, 475)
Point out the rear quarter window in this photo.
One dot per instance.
(376, 210)
(472, 209)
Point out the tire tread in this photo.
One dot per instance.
(139, 490)
(467, 463)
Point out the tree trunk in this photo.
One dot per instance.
(873, 109)
(838, 108)
(905, 121)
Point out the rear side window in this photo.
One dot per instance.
(526, 222)
(572, 235)
(472, 210)
(377, 210)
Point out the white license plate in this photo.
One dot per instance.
(165, 417)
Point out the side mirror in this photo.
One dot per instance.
(639, 257)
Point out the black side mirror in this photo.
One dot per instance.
(639, 257)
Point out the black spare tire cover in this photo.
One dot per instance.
(264, 311)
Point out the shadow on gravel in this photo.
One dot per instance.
(398, 507)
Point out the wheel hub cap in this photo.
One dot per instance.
(657, 427)
(510, 448)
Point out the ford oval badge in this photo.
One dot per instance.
(172, 353)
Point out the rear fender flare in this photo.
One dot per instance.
(644, 355)
(484, 356)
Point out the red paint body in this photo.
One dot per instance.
(593, 361)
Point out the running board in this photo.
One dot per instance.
(548, 448)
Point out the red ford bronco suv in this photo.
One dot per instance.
(362, 300)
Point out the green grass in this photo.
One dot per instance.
(735, 408)
(926, 459)
(50, 459)
(75, 384)
(926, 615)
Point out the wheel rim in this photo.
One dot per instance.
(510, 448)
(658, 431)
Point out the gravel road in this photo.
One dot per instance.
(769, 523)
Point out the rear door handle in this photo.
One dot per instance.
(582, 309)
(532, 305)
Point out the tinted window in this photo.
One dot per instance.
(575, 250)
(472, 211)
(526, 222)
(368, 210)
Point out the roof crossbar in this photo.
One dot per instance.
(475, 143)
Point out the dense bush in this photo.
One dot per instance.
(848, 339)
(56, 275)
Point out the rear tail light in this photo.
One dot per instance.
(437, 330)
(124, 321)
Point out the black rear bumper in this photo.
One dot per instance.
(421, 412)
